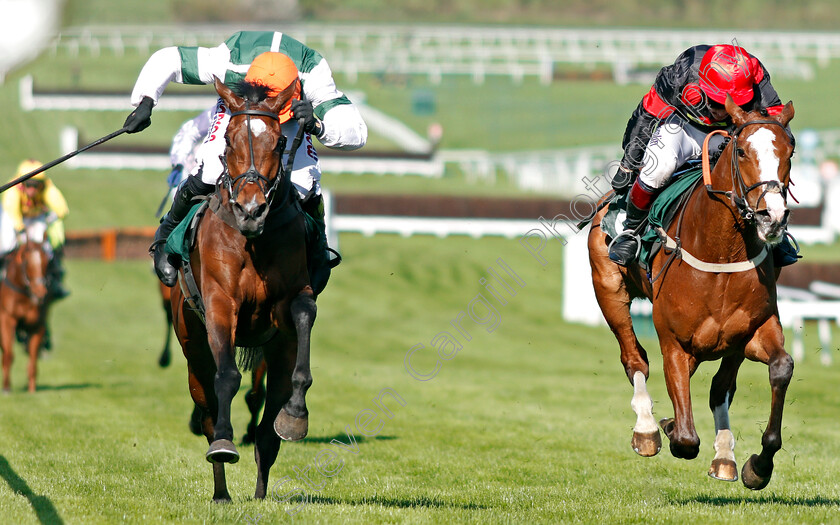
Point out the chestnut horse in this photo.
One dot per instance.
(255, 396)
(24, 301)
(726, 310)
(249, 263)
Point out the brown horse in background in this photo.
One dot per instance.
(24, 304)
(249, 263)
(725, 312)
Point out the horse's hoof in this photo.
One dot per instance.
(724, 470)
(667, 425)
(224, 498)
(222, 451)
(752, 479)
(289, 427)
(647, 444)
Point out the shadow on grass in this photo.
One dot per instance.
(43, 507)
(343, 438)
(723, 501)
(407, 503)
(69, 386)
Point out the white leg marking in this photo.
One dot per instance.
(643, 406)
(724, 439)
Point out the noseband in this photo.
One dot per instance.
(740, 190)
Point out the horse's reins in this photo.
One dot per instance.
(740, 200)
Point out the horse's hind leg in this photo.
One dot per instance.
(720, 399)
(614, 300)
(255, 398)
(768, 346)
(292, 422)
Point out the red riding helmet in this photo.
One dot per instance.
(729, 69)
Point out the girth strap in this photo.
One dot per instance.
(694, 262)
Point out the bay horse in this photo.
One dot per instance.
(254, 398)
(726, 310)
(24, 304)
(249, 263)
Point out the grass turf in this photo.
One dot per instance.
(529, 422)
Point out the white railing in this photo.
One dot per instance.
(476, 51)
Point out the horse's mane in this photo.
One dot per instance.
(253, 93)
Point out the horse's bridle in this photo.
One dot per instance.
(27, 282)
(740, 190)
(252, 176)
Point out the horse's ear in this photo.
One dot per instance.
(787, 113)
(739, 116)
(227, 94)
(280, 101)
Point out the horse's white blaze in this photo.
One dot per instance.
(643, 406)
(251, 205)
(768, 168)
(257, 127)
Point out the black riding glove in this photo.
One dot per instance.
(302, 109)
(140, 118)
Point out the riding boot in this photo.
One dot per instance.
(317, 252)
(786, 253)
(166, 264)
(625, 247)
(55, 275)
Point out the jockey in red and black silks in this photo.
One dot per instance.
(685, 103)
(680, 88)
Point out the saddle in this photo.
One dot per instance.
(662, 213)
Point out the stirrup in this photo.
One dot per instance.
(633, 235)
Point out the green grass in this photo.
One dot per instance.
(528, 423)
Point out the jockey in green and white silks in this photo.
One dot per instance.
(329, 115)
(343, 127)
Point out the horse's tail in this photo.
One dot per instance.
(248, 357)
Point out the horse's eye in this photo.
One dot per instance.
(742, 153)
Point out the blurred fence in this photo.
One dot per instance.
(435, 51)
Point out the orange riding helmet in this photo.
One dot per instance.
(275, 71)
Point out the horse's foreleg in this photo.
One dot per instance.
(220, 330)
(278, 390)
(201, 422)
(768, 346)
(7, 331)
(33, 347)
(679, 366)
(720, 399)
(292, 422)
